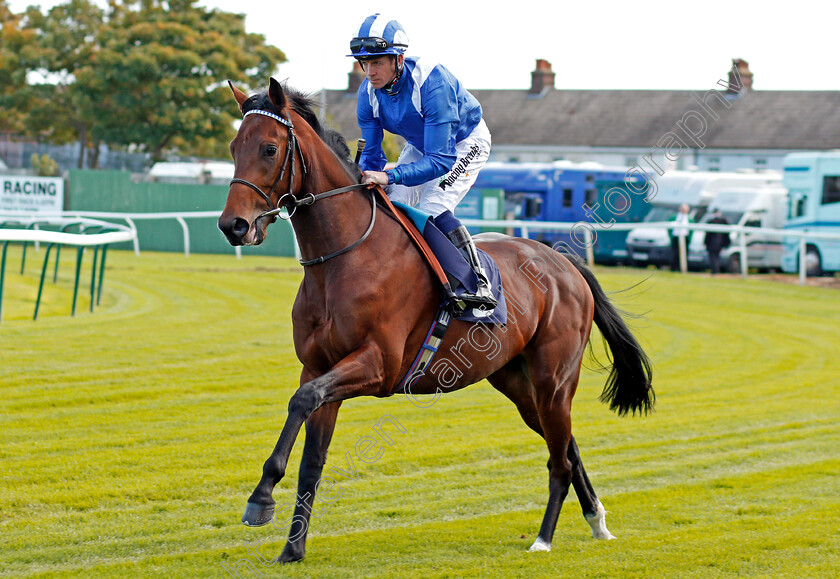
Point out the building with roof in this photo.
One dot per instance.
(728, 127)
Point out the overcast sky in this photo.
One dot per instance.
(631, 44)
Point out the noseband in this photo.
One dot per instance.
(292, 150)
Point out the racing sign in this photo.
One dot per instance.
(27, 194)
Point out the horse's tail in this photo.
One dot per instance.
(628, 386)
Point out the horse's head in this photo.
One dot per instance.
(268, 164)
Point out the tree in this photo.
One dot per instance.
(44, 165)
(66, 49)
(14, 40)
(160, 76)
(148, 74)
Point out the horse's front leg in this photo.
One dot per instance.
(361, 373)
(319, 431)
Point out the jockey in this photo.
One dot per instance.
(447, 141)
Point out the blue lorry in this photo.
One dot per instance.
(561, 191)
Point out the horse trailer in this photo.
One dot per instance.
(813, 182)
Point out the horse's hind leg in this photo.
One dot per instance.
(514, 381)
(593, 510)
(554, 387)
(556, 426)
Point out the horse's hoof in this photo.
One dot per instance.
(294, 550)
(540, 546)
(289, 557)
(598, 523)
(257, 515)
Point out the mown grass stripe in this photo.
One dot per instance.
(132, 436)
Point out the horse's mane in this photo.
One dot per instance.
(304, 105)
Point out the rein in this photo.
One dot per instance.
(293, 149)
(314, 198)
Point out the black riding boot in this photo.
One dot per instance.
(461, 239)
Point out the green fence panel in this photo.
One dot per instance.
(118, 192)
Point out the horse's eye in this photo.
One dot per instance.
(270, 151)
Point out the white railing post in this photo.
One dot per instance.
(186, 235)
(136, 239)
(744, 257)
(803, 261)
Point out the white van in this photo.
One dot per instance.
(762, 207)
(697, 189)
(203, 172)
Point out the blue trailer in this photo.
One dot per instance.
(618, 202)
(560, 191)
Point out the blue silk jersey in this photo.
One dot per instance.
(430, 109)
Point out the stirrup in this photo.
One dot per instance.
(455, 304)
(483, 296)
(477, 300)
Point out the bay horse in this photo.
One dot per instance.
(367, 299)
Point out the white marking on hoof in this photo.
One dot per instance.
(599, 524)
(539, 545)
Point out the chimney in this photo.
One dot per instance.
(740, 77)
(355, 78)
(542, 78)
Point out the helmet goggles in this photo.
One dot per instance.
(374, 45)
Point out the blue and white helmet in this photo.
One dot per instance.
(377, 36)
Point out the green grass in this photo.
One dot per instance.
(131, 438)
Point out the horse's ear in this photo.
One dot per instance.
(240, 96)
(276, 95)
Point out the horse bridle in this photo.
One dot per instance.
(292, 150)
